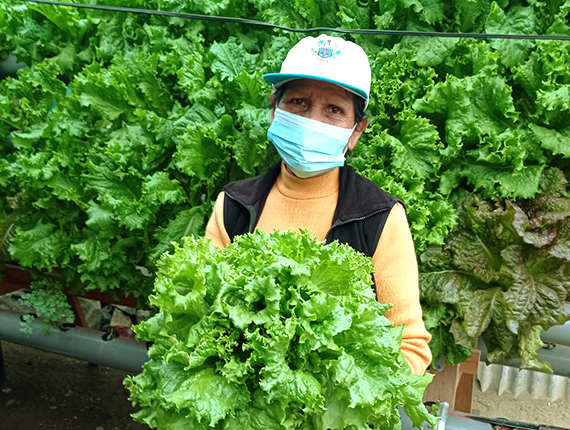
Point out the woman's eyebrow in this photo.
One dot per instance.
(339, 100)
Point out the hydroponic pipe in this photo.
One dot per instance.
(559, 334)
(558, 357)
(120, 353)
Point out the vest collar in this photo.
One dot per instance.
(358, 196)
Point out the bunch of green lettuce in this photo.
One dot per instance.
(105, 173)
(277, 331)
(503, 274)
(453, 114)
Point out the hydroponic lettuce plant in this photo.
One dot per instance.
(277, 331)
(503, 274)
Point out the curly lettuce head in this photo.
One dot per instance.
(277, 331)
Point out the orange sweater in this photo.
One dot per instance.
(310, 203)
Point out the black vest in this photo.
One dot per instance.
(359, 217)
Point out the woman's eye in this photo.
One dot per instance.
(298, 101)
(336, 109)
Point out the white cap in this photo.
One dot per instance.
(329, 59)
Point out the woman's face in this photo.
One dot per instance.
(320, 101)
(324, 102)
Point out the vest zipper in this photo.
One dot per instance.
(338, 222)
(249, 208)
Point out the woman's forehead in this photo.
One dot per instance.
(315, 87)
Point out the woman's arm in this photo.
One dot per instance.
(215, 230)
(396, 277)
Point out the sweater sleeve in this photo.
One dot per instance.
(396, 277)
(215, 230)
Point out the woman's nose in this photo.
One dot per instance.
(316, 114)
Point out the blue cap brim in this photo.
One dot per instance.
(280, 78)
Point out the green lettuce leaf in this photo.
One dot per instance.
(42, 246)
(518, 20)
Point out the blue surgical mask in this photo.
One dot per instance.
(307, 146)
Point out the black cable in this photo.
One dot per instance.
(296, 30)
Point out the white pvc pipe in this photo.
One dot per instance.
(558, 357)
(121, 353)
(559, 334)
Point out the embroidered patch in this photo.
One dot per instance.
(326, 49)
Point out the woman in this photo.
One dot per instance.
(317, 114)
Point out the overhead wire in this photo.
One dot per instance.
(194, 16)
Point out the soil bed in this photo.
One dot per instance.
(51, 392)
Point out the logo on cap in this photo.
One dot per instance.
(326, 49)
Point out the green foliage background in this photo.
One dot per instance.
(122, 130)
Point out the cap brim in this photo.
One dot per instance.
(278, 79)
